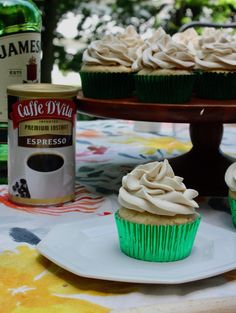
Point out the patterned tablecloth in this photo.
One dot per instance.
(106, 150)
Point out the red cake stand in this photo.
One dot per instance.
(204, 166)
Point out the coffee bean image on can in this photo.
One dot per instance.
(41, 129)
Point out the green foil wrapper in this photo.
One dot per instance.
(164, 243)
(232, 204)
(164, 89)
(217, 86)
(107, 85)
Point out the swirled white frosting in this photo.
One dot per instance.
(138, 63)
(133, 42)
(216, 51)
(157, 34)
(109, 51)
(131, 38)
(189, 38)
(165, 53)
(154, 188)
(230, 177)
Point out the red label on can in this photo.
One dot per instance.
(42, 108)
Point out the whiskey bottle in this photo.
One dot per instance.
(20, 51)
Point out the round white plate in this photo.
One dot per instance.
(90, 248)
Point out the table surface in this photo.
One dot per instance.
(105, 151)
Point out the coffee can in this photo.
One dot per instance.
(41, 141)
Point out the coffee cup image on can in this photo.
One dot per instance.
(44, 175)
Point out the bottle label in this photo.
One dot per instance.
(19, 63)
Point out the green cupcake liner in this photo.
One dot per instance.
(164, 89)
(107, 85)
(232, 204)
(217, 86)
(163, 243)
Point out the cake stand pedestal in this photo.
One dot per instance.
(204, 166)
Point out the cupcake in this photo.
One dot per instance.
(157, 220)
(230, 179)
(216, 65)
(107, 65)
(165, 71)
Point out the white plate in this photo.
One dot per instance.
(89, 248)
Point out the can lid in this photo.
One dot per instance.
(42, 90)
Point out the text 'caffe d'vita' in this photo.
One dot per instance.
(47, 107)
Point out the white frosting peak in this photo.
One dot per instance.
(131, 38)
(230, 177)
(156, 36)
(154, 188)
(189, 38)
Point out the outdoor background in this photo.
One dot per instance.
(68, 26)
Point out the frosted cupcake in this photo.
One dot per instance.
(216, 65)
(157, 220)
(165, 72)
(230, 179)
(107, 65)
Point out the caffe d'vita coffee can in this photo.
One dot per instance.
(41, 140)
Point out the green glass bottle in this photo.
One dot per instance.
(20, 51)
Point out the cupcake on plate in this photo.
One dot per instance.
(165, 72)
(107, 65)
(230, 179)
(216, 65)
(157, 220)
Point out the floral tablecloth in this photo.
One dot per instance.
(105, 151)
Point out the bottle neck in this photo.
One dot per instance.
(19, 16)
